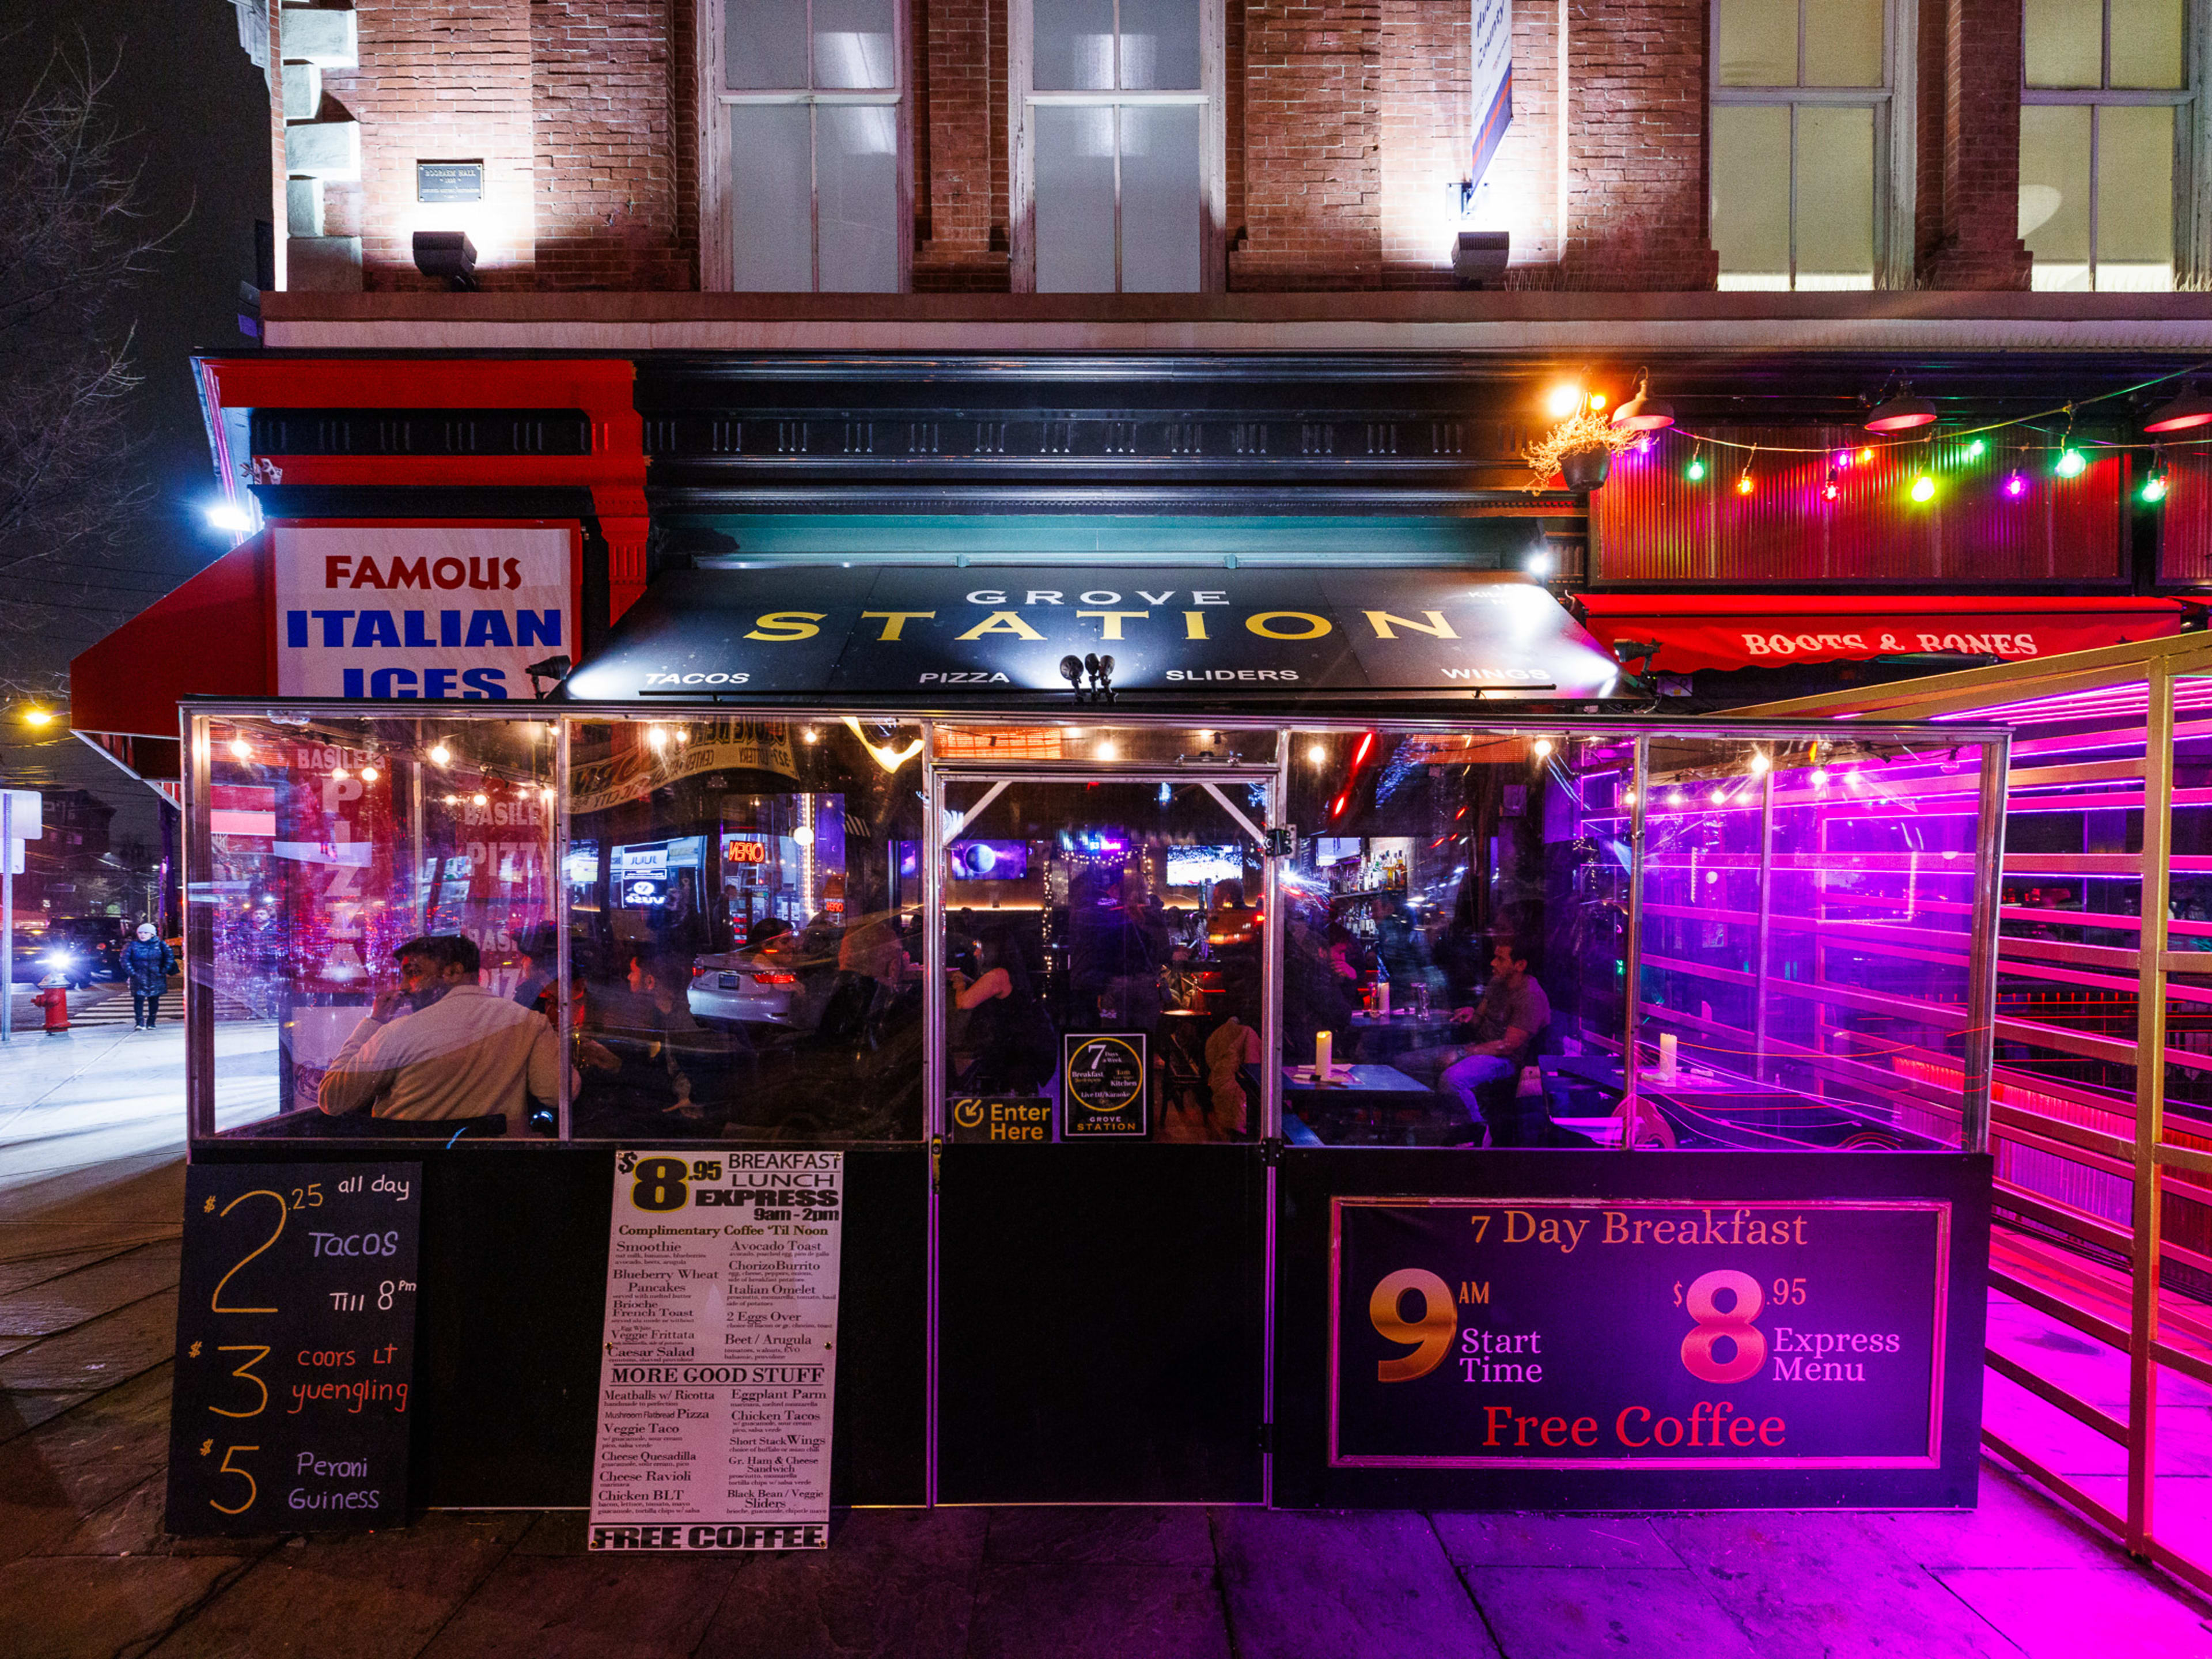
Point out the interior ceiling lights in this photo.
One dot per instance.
(1901, 414)
(2187, 411)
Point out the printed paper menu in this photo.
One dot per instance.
(717, 1367)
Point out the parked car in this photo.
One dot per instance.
(771, 983)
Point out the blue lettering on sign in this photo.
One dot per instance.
(488, 627)
(478, 684)
(449, 628)
(374, 628)
(538, 628)
(415, 633)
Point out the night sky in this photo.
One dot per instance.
(200, 108)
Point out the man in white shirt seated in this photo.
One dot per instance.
(439, 1046)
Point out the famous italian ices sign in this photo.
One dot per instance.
(1491, 1334)
(439, 612)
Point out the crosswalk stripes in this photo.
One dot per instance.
(117, 1009)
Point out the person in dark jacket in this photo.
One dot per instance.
(148, 962)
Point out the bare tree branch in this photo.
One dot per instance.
(74, 241)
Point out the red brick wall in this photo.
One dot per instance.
(1967, 203)
(1520, 190)
(1636, 201)
(440, 79)
(1313, 188)
(604, 112)
(959, 198)
(1425, 123)
(1346, 119)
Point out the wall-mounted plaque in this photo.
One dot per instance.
(449, 181)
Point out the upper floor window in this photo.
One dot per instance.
(1117, 145)
(806, 159)
(2107, 115)
(1806, 184)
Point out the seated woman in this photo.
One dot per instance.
(1009, 1033)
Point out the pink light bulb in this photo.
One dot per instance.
(2016, 485)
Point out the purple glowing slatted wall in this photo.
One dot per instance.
(1652, 523)
(2184, 530)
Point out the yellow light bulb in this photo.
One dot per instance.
(1565, 399)
(441, 754)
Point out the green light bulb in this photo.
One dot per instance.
(1695, 471)
(1974, 450)
(1924, 489)
(2153, 487)
(2071, 463)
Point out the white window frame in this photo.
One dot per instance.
(1025, 98)
(717, 213)
(1895, 106)
(2192, 137)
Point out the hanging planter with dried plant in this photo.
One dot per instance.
(1579, 450)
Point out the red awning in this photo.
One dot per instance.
(1754, 631)
(208, 638)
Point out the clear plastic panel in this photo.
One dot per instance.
(772, 198)
(333, 844)
(1159, 46)
(2065, 43)
(855, 46)
(1843, 43)
(2054, 190)
(1751, 191)
(2135, 197)
(1163, 214)
(1835, 198)
(1453, 922)
(856, 164)
(1074, 198)
(1758, 43)
(763, 45)
(744, 918)
(1126, 911)
(1806, 919)
(1071, 46)
(2149, 40)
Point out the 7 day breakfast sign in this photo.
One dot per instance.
(1501, 1333)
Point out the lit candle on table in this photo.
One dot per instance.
(1324, 1043)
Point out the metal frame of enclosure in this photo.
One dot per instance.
(2105, 954)
(1701, 801)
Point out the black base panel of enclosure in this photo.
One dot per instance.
(1310, 1179)
(1100, 1335)
(512, 1298)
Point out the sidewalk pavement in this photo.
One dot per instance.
(91, 1190)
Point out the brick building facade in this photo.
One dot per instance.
(1346, 130)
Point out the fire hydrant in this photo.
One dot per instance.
(52, 996)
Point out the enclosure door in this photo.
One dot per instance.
(1103, 1213)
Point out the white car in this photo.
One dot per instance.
(750, 988)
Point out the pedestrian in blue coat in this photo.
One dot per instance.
(148, 962)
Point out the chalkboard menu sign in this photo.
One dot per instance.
(1102, 1086)
(295, 1347)
(1638, 1335)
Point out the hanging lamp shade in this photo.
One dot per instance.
(1901, 414)
(2184, 413)
(1644, 413)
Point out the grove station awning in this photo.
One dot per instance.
(925, 631)
(1681, 633)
